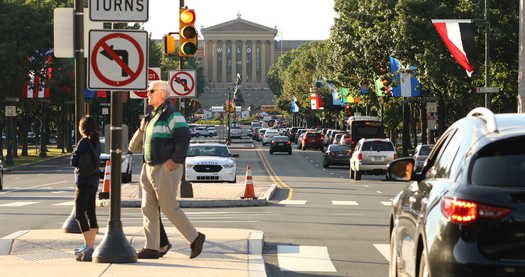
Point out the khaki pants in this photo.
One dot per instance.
(159, 188)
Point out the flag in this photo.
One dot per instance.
(336, 96)
(408, 86)
(394, 64)
(457, 34)
(363, 90)
(35, 87)
(294, 108)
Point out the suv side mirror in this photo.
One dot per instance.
(401, 169)
(234, 155)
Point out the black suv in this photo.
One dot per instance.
(463, 214)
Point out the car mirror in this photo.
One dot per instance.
(401, 169)
(235, 155)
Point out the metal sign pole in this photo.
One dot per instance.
(115, 248)
(80, 63)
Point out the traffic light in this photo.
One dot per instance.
(187, 33)
(169, 45)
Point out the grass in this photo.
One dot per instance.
(33, 155)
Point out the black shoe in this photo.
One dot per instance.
(162, 253)
(146, 253)
(196, 245)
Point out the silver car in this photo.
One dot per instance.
(421, 153)
(371, 156)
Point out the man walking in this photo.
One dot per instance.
(166, 138)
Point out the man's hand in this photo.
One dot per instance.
(143, 124)
(170, 164)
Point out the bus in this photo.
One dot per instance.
(359, 127)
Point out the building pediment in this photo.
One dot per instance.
(238, 25)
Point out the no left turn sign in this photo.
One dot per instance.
(182, 83)
(118, 60)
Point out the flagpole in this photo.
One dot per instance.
(487, 62)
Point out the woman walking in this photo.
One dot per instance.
(85, 159)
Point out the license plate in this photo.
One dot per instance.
(282, 143)
(340, 155)
(378, 159)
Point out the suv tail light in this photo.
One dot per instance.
(463, 211)
(360, 156)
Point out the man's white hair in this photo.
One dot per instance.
(160, 85)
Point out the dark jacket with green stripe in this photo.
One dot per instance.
(169, 137)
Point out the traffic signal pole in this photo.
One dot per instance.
(521, 73)
(80, 63)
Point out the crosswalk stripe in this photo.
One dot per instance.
(293, 202)
(384, 249)
(17, 204)
(386, 203)
(60, 191)
(346, 203)
(68, 203)
(303, 258)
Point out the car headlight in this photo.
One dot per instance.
(228, 165)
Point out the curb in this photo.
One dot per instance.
(30, 164)
(6, 242)
(223, 203)
(256, 267)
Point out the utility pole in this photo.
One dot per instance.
(80, 63)
(487, 62)
(521, 73)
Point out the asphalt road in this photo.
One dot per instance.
(308, 235)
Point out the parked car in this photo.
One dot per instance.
(311, 140)
(462, 214)
(371, 156)
(212, 130)
(421, 153)
(126, 164)
(202, 131)
(336, 154)
(268, 135)
(281, 144)
(210, 162)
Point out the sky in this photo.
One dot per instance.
(294, 19)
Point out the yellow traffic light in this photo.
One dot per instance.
(188, 33)
(169, 45)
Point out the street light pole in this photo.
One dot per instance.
(521, 73)
(487, 62)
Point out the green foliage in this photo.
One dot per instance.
(209, 122)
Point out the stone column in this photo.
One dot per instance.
(234, 60)
(243, 63)
(272, 52)
(214, 60)
(263, 60)
(206, 59)
(224, 62)
(254, 61)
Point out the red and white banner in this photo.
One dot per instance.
(314, 101)
(457, 34)
(35, 88)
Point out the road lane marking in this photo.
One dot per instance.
(386, 203)
(68, 203)
(17, 204)
(38, 186)
(347, 203)
(304, 258)
(274, 176)
(379, 191)
(293, 202)
(384, 249)
(60, 191)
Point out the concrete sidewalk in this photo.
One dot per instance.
(227, 252)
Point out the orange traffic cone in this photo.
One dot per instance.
(248, 182)
(106, 184)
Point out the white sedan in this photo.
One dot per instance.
(210, 162)
(126, 165)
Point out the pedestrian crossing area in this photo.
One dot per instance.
(283, 202)
(333, 202)
(308, 258)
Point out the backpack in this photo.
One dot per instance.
(88, 163)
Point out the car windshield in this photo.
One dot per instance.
(280, 139)
(338, 148)
(377, 146)
(500, 164)
(208, 150)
